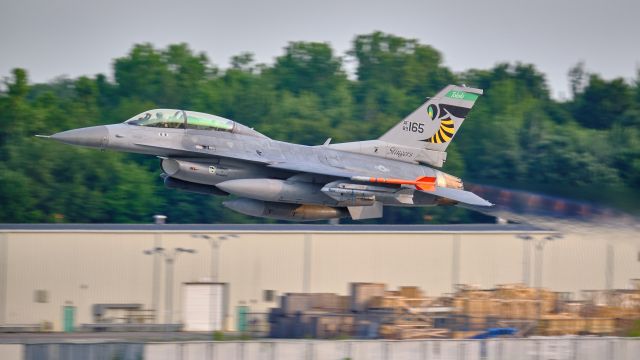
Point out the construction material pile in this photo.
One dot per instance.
(542, 312)
(372, 311)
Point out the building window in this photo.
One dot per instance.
(269, 295)
(41, 296)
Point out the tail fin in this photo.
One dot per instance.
(433, 125)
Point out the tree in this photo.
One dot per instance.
(308, 67)
(516, 135)
(602, 103)
(577, 79)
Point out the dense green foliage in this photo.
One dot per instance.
(517, 134)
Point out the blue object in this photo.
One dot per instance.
(494, 332)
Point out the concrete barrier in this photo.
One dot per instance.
(83, 351)
(567, 348)
(315, 350)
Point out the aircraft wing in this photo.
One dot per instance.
(460, 196)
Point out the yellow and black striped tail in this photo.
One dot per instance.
(434, 124)
(444, 134)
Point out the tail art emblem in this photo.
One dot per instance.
(444, 132)
(446, 114)
(432, 111)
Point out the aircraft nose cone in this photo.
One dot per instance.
(94, 136)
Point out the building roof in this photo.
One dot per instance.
(274, 228)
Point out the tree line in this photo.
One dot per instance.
(517, 134)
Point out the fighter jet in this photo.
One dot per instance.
(209, 154)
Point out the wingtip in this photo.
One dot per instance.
(43, 136)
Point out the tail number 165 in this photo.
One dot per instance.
(413, 127)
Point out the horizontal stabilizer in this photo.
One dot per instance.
(461, 196)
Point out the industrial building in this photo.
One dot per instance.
(53, 272)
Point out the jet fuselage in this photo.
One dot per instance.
(209, 154)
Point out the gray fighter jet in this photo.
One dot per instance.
(209, 154)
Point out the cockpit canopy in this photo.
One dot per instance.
(179, 119)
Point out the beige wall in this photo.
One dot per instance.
(109, 267)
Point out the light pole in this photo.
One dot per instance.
(170, 261)
(214, 242)
(155, 285)
(455, 262)
(609, 269)
(306, 270)
(540, 243)
(526, 257)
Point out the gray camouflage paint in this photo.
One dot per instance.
(298, 182)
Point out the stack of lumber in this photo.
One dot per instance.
(513, 301)
(410, 292)
(617, 304)
(363, 293)
(565, 324)
(547, 299)
(409, 330)
(398, 303)
(405, 299)
(464, 334)
(329, 326)
(629, 300)
(600, 326)
(561, 324)
(613, 312)
(292, 303)
(572, 307)
(329, 302)
(409, 321)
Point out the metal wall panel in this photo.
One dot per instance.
(85, 268)
(11, 351)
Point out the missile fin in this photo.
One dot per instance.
(366, 212)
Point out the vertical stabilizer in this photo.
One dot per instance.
(433, 125)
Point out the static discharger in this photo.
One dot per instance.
(425, 183)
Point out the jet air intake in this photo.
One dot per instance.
(173, 183)
(283, 211)
(209, 171)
